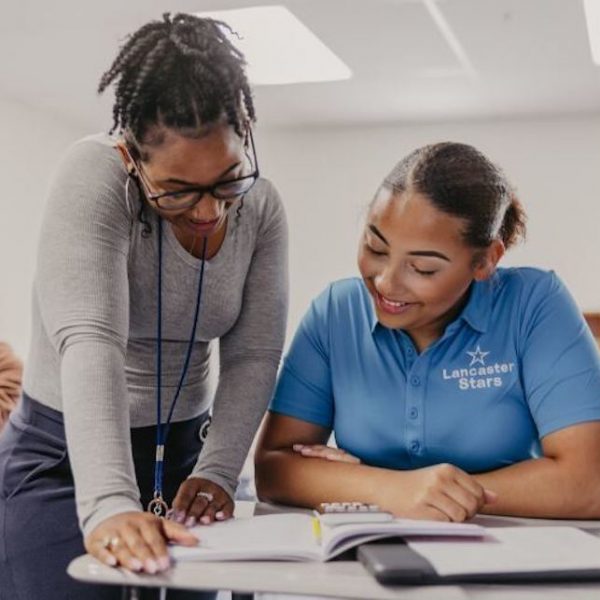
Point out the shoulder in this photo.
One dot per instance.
(536, 294)
(345, 302)
(525, 282)
(263, 200)
(89, 183)
(93, 157)
(262, 217)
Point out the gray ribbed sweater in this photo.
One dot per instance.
(94, 321)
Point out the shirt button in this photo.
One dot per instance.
(415, 380)
(414, 413)
(414, 446)
(410, 351)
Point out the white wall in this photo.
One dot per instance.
(328, 176)
(31, 145)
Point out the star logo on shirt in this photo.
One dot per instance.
(477, 356)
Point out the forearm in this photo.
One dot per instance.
(544, 488)
(285, 477)
(96, 417)
(241, 400)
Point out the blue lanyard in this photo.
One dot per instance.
(157, 505)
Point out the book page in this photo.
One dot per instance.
(513, 550)
(291, 536)
(339, 538)
(272, 537)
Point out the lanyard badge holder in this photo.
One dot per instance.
(157, 505)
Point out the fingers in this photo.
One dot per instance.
(104, 555)
(325, 452)
(457, 494)
(490, 496)
(178, 533)
(200, 501)
(225, 512)
(202, 509)
(133, 540)
(205, 511)
(182, 503)
(470, 502)
(454, 503)
(134, 551)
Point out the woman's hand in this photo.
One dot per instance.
(136, 541)
(441, 492)
(200, 501)
(326, 452)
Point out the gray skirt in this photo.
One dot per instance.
(39, 533)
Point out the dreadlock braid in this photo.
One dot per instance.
(181, 72)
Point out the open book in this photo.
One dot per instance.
(292, 536)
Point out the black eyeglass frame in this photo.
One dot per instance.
(200, 191)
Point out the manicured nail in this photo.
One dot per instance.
(111, 561)
(170, 514)
(205, 520)
(297, 447)
(220, 515)
(180, 516)
(136, 565)
(150, 566)
(191, 521)
(164, 563)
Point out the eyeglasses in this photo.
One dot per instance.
(188, 197)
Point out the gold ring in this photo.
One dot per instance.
(110, 542)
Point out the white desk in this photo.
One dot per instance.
(338, 579)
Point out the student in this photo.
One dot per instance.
(155, 242)
(452, 386)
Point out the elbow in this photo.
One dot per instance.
(586, 504)
(262, 477)
(581, 497)
(270, 473)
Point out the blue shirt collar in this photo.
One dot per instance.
(476, 312)
(478, 309)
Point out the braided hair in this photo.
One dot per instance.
(181, 72)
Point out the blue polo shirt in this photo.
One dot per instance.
(518, 363)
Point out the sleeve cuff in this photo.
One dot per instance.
(114, 505)
(229, 486)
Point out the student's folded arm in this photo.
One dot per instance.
(302, 412)
(561, 377)
(561, 484)
(285, 476)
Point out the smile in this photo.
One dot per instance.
(394, 307)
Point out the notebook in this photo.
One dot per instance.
(504, 555)
(298, 537)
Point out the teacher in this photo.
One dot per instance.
(157, 242)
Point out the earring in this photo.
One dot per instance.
(127, 184)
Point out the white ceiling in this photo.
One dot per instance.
(529, 58)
